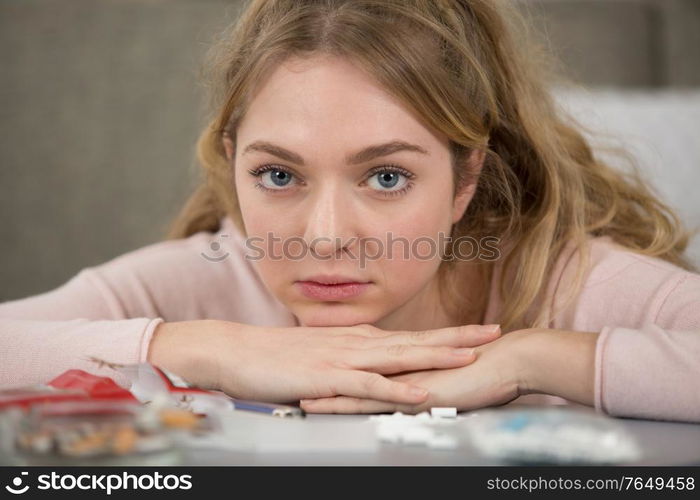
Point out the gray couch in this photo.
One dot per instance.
(101, 108)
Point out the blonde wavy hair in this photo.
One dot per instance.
(471, 70)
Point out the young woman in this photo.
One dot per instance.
(387, 182)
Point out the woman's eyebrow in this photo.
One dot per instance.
(362, 156)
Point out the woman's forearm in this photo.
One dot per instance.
(558, 362)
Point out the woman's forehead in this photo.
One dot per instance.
(313, 104)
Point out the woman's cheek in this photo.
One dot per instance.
(405, 277)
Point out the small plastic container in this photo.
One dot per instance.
(93, 433)
(545, 436)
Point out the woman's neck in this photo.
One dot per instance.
(428, 311)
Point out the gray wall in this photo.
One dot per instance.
(639, 43)
(100, 112)
(101, 109)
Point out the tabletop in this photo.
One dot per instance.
(250, 439)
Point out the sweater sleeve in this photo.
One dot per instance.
(43, 335)
(652, 371)
(110, 311)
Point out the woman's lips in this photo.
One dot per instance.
(339, 291)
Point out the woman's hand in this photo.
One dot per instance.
(495, 378)
(547, 361)
(288, 364)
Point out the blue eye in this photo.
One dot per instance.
(272, 178)
(388, 179)
(277, 178)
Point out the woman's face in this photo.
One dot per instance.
(326, 159)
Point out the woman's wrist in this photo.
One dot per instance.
(556, 362)
(185, 348)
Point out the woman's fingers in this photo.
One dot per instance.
(395, 358)
(363, 330)
(370, 385)
(369, 336)
(458, 336)
(344, 404)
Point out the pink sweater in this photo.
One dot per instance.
(647, 362)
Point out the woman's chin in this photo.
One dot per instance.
(334, 314)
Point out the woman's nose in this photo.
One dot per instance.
(328, 224)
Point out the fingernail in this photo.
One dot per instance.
(463, 351)
(419, 391)
(489, 328)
